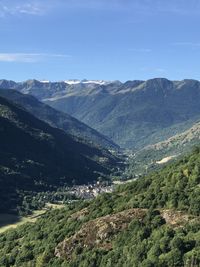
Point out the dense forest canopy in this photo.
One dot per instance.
(164, 229)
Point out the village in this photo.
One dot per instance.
(91, 190)
(94, 189)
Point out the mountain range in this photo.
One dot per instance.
(58, 119)
(133, 114)
(152, 221)
(36, 156)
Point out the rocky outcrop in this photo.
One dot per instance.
(98, 233)
(80, 215)
(175, 218)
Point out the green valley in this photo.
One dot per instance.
(133, 114)
(99, 133)
(35, 157)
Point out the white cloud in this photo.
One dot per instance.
(29, 57)
(30, 9)
(40, 7)
(16, 8)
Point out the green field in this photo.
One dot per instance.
(8, 221)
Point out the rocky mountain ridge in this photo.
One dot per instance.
(133, 114)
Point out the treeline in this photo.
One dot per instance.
(31, 201)
(174, 186)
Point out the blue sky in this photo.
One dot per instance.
(99, 39)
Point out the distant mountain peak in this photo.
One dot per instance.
(7, 83)
(32, 82)
(71, 82)
(44, 81)
(75, 81)
(132, 114)
(161, 82)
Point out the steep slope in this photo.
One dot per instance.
(152, 156)
(153, 221)
(142, 114)
(35, 156)
(133, 114)
(58, 119)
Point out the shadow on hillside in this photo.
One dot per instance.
(6, 219)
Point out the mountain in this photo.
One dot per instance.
(153, 221)
(45, 89)
(153, 156)
(58, 119)
(137, 113)
(36, 156)
(133, 114)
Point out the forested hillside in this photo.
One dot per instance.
(36, 156)
(133, 114)
(153, 221)
(100, 133)
(58, 119)
(153, 156)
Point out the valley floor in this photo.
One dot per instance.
(11, 221)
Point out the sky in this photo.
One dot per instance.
(99, 39)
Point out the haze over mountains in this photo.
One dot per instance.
(133, 114)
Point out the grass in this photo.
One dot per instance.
(54, 206)
(8, 221)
